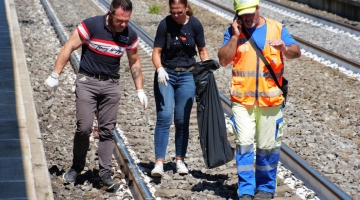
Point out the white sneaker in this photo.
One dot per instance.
(181, 167)
(158, 169)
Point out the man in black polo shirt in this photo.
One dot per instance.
(104, 39)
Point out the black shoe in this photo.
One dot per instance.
(262, 195)
(109, 182)
(246, 197)
(70, 176)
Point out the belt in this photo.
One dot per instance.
(180, 69)
(101, 77)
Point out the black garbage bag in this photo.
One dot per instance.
(210, 116)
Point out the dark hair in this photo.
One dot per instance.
(124, 4)
(184, 2)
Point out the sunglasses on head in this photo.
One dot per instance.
(176, 12)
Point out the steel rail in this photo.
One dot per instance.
(289, 159)
(325, 20)
(136, 184)
(74, 58)
(324, 53)
(331, 56)
(313, 179)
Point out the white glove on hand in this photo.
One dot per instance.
(162, 76)
(52, 82)
(143, 98)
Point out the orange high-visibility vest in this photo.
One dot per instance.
(251, 80)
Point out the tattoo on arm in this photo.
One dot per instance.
(135, 72)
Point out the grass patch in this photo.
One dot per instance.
(155, 9)
(194, 10)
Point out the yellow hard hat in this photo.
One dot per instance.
(245, 6)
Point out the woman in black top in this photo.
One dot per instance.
(173, 55)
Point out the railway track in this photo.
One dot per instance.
(317, 181)
(316, 17)
(326, 54)
(139, 188)
(134, 135)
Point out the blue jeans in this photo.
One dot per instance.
(177, 97)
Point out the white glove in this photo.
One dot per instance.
(162, 76)
(143, 98)
(52, 82)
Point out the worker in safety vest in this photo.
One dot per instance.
(256, 99)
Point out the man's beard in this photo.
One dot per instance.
(252, 24)
(114, 27)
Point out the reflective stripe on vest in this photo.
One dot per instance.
(253, 73)
(251, 80)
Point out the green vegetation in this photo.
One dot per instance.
(193, 10)
(155, 9)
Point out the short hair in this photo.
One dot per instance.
(124, 4)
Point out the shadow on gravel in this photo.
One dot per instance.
(216, 182)
(55, 170)
(90, 176)
(217, 177)
(221, 190)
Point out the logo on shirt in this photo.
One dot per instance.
(183, 38)
(123, 39)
